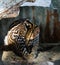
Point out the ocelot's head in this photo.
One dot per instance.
(23, 28)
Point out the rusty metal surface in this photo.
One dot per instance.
(37, 15)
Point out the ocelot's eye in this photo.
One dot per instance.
(28, 25)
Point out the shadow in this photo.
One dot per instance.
(4, 26)
(57, 62)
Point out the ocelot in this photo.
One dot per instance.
(20, 33)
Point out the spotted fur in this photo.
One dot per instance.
(18, 34)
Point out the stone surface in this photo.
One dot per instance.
(51, 57)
